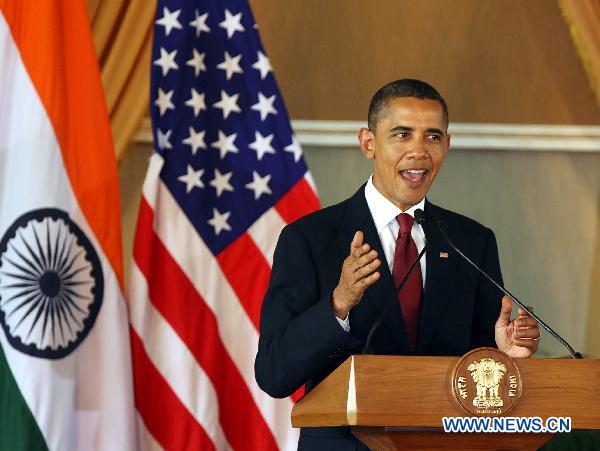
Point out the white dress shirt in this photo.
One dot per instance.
(384, 215)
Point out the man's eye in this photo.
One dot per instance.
(402, 134)
(434, 137)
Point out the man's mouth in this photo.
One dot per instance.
(414, 176)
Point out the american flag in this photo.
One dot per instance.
(227, 174)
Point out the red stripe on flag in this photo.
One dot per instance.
(183, 431)
(248, 274)
(297, 202)
(174, 296)
(297, 394)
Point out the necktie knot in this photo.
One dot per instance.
(406, 222)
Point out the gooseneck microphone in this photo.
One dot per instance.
(439, 223)
(419, 219)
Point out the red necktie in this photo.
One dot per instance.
(410, 295)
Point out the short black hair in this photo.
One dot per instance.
(406, 87)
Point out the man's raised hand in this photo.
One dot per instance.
(358, 273)
(519, 337)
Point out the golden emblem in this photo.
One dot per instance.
(487, 374)
(487, 382)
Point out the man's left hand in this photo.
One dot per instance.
(519, 337)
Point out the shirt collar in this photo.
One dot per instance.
(382, 210)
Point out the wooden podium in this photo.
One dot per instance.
(397, 402)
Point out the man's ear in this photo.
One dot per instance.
(366, 139)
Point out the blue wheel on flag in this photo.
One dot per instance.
(51, 284)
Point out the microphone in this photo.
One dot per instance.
(561, 340)
(419, 219)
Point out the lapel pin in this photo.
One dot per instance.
(443, 254)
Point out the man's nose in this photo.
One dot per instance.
(418, 149)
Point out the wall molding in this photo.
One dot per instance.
(544, 138)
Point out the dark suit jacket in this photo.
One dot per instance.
(301, 342)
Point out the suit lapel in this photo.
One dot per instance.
(382, 294)
(439, 283)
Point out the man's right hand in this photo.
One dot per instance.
(358, 273)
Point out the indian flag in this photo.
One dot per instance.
(65, 368)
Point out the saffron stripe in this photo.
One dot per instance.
(67, 80)
(197, 326)
(162, 399)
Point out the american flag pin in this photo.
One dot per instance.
(443, 254)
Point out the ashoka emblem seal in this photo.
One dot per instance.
(486, 382)
(51, 284)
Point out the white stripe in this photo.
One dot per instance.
(84, 399)
(236, 330)
(351, 408)
(151, 185)
(146, 441)
(173, 360)
(309, 179)
(266, 229)
(264, 233)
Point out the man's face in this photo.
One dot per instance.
(408, 149)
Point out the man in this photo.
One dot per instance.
(336, 271)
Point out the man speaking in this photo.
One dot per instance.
(337, 270)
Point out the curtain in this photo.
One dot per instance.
(583, 20)
(122, 32)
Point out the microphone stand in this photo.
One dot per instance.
(574, 354)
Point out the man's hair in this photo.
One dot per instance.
(402, 88)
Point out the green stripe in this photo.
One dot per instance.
(18, 429)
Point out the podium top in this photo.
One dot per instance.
(415, 392)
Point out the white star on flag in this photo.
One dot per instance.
(192, 179)
(225, 144)
(163, 102)
(199, 23)
(260, 185)
(264, 106)
(169, 20)
(262, 145)
(197, 62)
(166, 61)
(294, 148)
(263, 65)
(196, 102)
(231, 65)
(232, 23)
(196, 140)
(221, 182)
(163, 139)
(219, 221)
(228, 104)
